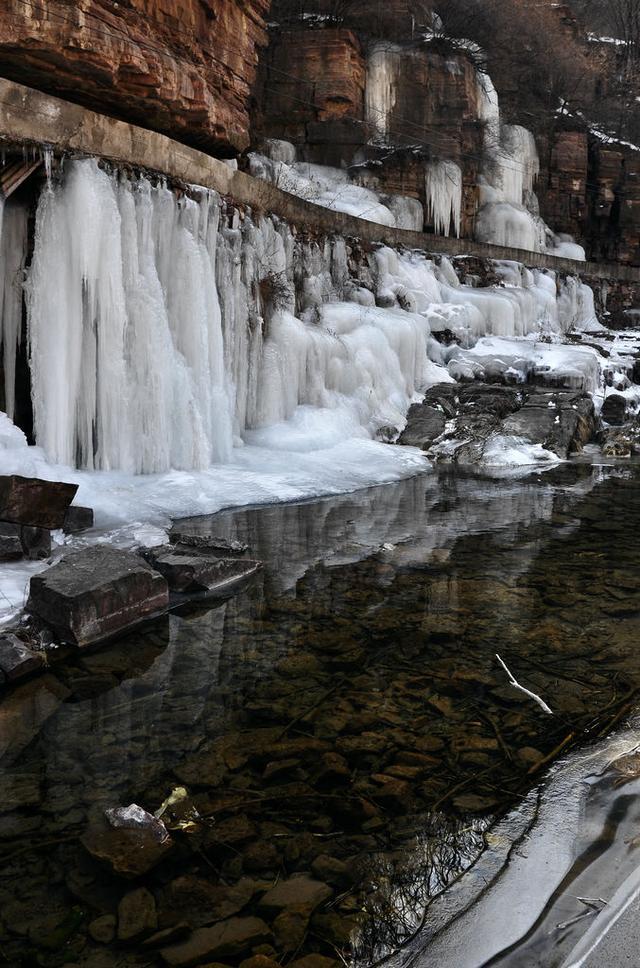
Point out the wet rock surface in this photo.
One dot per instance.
(457, 422)
(342, 731)
(190, 573)
(94, 593)
(17, 660)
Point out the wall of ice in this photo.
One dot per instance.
(166, 331)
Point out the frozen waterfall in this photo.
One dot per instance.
(166, 332)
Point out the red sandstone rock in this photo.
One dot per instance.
(183, 67)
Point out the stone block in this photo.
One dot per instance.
(77, 519)
(232, 938)
(37, 503)
(96, 593)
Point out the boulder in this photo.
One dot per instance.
(561, 421)
(17, 660)
(24, 541)
(231, 938)
(136, 915)
(614, 409)
(126, 851)
(424, 425)
(189, 574)
(29, 500)
(77, 519)
(95, 593)
(295, 892)
(36, 543)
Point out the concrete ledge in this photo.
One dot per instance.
(31, 117)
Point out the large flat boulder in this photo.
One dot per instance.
(29, 500)
(95, 593)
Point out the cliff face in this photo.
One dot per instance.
(182, 67)
(386, 107)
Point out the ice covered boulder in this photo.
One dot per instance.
(34, 502)
(96, 593)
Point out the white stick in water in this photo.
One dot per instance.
(527, 692)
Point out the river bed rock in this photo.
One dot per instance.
(237, 936)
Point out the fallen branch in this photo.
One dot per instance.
(527, 692)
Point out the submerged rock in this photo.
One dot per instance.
(129, 852)
(137, 915)
(295, 892)
(237, 936)
(95, 593)
(29, 500)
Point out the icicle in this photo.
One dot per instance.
(380, 90)
(443, 180)
(13, 252)
(47, 157)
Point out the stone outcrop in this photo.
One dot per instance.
(183, 67)
(456, 423)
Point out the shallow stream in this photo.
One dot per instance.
(347, 716)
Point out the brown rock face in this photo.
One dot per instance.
(183, 67)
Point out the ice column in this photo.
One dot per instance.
(443, 182)
(13, 246)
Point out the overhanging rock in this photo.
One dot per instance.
(95, 593)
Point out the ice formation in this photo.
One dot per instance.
(380, 88)
(13, 243)
(443, 184)
(171, 335)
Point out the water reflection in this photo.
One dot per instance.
(348, 705)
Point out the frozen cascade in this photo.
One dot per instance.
(166, 333)
(125, 326)
(443, 182)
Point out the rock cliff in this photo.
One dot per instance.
(183, 67)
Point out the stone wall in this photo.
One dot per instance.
(29, 117)
(184, 67)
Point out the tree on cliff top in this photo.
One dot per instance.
(533, 52)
